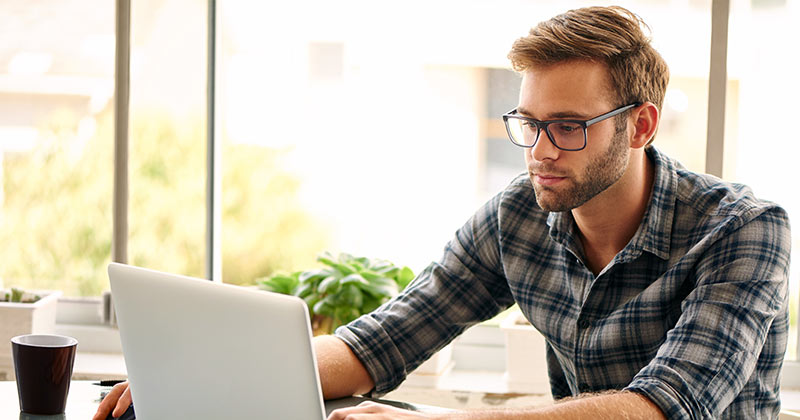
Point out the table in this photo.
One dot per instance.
(84, 398)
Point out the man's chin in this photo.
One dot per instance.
(547, 201)
(553, 207)
(552, 201)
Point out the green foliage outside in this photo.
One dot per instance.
(344, 289)
(56, 223)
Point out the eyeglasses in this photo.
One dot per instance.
(569, 135)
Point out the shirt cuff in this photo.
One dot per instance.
(657, 387)
(376, 351)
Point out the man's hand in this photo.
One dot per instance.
(374, 411)
(119, 399)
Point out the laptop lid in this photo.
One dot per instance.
(204, 350)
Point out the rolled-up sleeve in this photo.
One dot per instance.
(741, 287)
(465, 287)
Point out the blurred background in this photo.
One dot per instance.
(366, 127)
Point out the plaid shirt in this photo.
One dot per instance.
(691, 313)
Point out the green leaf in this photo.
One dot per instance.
(363, 261)
(383, 281)
(371, 304)
(354, 278)
(346, 314)
(404, 277)
(312, 276)
(343, 269)
(325, 306)
(351, 296)
(381, 266)
(327, 260)
(311, 302)
(303, 290)
(279, 283)
(379, 291)
(370, 275)
(330, 285)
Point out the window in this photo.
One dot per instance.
(344, 130)
(760, 135)
(361, 127)
(167, 136)
(364, 136)
(56, 125)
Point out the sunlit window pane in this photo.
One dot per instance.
(56, 142)
(374, 128)
(760, 130)
(167, 136)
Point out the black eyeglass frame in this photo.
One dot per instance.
(544, 125)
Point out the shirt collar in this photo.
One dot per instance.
(655, 230)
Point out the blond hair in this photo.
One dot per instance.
(611, 35)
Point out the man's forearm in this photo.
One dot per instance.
(340, 372)
(618, 405)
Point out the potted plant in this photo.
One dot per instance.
(344, 289)
(23, 312)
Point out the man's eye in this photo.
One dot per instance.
(566, 128)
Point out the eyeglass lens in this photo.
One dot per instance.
(567, 135)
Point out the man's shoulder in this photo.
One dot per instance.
(711, 196)
(705, 204)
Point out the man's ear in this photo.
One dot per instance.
(645, 121)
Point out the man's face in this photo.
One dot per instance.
(564, 180)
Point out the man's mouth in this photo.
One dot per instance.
(546, 179)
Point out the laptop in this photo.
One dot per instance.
(204, 350)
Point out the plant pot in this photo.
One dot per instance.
(25, 318)
(526, 362)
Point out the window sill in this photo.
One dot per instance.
(99, 351)
(92, 338)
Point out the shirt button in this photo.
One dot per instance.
(584, 323)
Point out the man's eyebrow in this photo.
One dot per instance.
(555, 115)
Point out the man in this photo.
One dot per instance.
(661, 292)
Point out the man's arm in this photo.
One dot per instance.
(618, 405)
(340, 372)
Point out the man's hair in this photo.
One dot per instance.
(611, 35)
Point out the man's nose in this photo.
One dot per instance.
(544, 148)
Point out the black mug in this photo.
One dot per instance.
(43, 365)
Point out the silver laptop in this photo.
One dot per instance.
(196, 349)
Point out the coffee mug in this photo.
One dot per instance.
(43, 365)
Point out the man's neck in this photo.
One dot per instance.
(607, 222)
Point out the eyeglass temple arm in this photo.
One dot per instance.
(612, 113)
